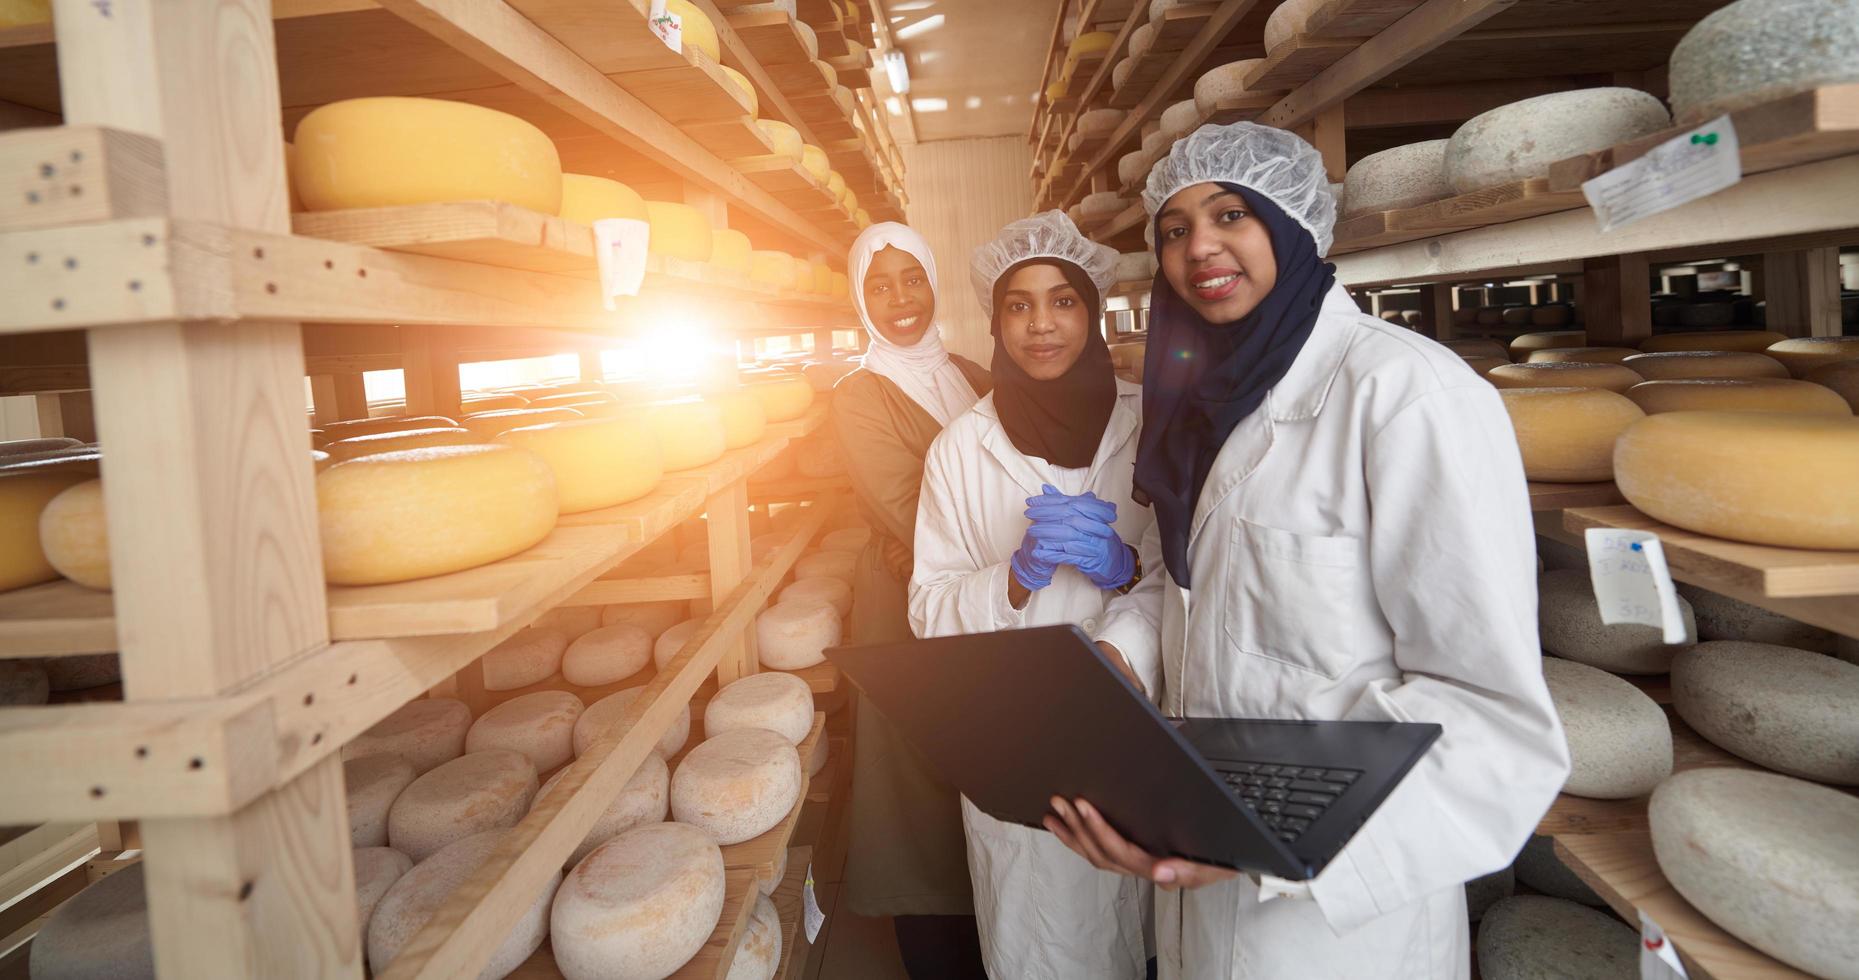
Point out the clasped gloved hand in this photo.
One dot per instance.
(1077, 531)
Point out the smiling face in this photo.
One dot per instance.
(1044, 322)
(1215, 252)
(898, 297)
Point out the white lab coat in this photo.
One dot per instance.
(1361, 550)
(1043, 912)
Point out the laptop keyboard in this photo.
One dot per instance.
(1288, 799)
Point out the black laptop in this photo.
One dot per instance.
(1014, 718)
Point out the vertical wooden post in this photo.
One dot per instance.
(214, 550)
(726, 515)
(1803, 291)
(1617, 300)
(429, 363)
(351, 396)
(67, 413)
(323, 398)
(1325, 132)
(1436, 304)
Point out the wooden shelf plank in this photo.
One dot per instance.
(1561, 496)
(1493, 205)
(821, 678)
(760, 854)
(772, 37)
(789, 903)
(1175, 34)
(1784, 573)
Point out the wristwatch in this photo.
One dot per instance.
(1136, 576)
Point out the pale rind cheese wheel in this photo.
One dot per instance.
(645, 799)
(539, 725)
(1476, 347)
(1180, 119)
(1519, 141)
(607, 655)
(829, 73)
(1403, 177)
(350, 428)
(1569, 625)
(826, 564)
(778, 702)
(690, 433)
(1766, 478)
(605, 712)
(835, 184)
(851, 539)
(473, 793)
(488, 425)
(371, 783)
(387, 442)
(1784, 709)
(673, 640)
(834, 592)
(419, 894)
(1803, 354)
(730, 251)
(744, 421)
(103, 931)
(679, 231)
(653, 617)
(698, 31)
(794, 635)
(1567, 435)
(784, 399)
(597, 462)
(1842, 377)
(740, 83)
(1120, 73)
(771, 268)
(376, 870)
(428, 733)
(1141, 40)
(1757, 51)
(588, 199)
(1680, 365)
(813, 160)
(737, 785)
(1288, 20)
(1582, 355)
(809, 40)
(1737, 395)
(1755, 341)
(388, 151)
(1619, 742)
(1484, 365)
(639, 906)
(77, 528)
(1099, 122)
(1563, 374)
(785, 138)
(1523, 345)
(1221, 83)
(759, 954)
(421, 512)
(1132, 167)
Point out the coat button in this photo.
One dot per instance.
(1090, 626)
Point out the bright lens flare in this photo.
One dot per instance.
(678, 351)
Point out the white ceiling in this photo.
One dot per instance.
(974, 64)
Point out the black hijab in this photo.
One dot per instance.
(1200, 379)
(1060, 421)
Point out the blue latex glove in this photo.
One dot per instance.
(1032, 566)
(1077, 531)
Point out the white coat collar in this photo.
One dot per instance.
(1301, 392)
(1029, 473)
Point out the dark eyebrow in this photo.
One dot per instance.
(1209, 199)
(1061, 287)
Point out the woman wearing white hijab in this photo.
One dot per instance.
(907, 856)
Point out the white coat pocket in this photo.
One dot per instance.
(1299, 599)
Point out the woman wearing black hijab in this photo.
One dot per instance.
(1022, 521)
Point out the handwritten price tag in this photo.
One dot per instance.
(811, 916)
(1678, 171)
(620, 248)
(668, 26)
(1631, 581)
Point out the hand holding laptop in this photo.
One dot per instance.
(1080, 827)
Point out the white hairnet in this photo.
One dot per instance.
(1263, 159)
(1048, 234)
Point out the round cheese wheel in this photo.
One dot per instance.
(1762, 477)
(784, 399)
(744, 422)
(1582, 355)
(350, 428)
(770, 268)
(1099, 122)
(604, 713)
(493, 402)
(641, 905)
(420, 512)
(730, 251)
(1681, 365)
(1771, 860)
(737, 785)
(539, 725)
(740, 84)
(1620, 744)
(653, 617)
(1524, 344)
(780, 703)
(1737, 395)
(1569, 626)
(759, 954)
(386, 151)
(571, 399)
(1476, 347)
(1288, 21)
(1841, 377)
(1563, 374)
(1132, 168)
(1803, 354)
(793, 635)
(768, 885)
(1756, 51)
(1483, 365)
(852, 539)
(528, 656)
(475, 792)
(691, 433)
(488, 425)
(1755, 341)
(817, 761)
(672, 641)
(1785, 709)
(826, 564)
(1223, 83)
(571, 622)
(1120, 73)
(1519, 141)
(21, 447)
(1723, 618)
(607, 655)
(102, 932)
(422, 891)
(784, 138)
(813, 160)
(23, 682)
(428, 733)
(679, 231)
(387, 442)
(376, 870)
(72, 530)
(597, 462)
(1403, 177)
(1567, 435)
(699, 32)
(588, 199)
(1180, 119)
(645, 799)
(372, 784)
(1538, 867)
(1533, 936)
(834, 592)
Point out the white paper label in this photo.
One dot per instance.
(668, 26)
(1658, 960)
(810, 913)
(1631, 581)
(1677, 171)
(620, 247)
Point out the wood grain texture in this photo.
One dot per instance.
(1560, 496)
(1778, 573)
(70, 174)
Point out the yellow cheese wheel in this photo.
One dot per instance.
(573, 399)
(699, 32)
(784, 399)
(422, 512)
(587, 199)
(849, 200)
(75, 536)
(835, 184)
(771, 269)
(1840, 376)
(392, 150)
(813, 160)
(1523, 344)
(829, 73)
(1763, 477)
(1803, 354)
(1678, 364)
(679, 231)
(1580, 355)
(743, 418)
(862, 219)
(487, 425)
(1483, 364)
(1737, 395)
(350, 428)
(1566, 435)
(491, 403)
(1092, 43)
(730, 250)
(822, 278)
(690, 433)
(841, 286)
(786, 139)
(742, 85)
(1563, 374)
(387, 442)
(23, 496)
(597, 462)
(1744, 340)
(1477, 347)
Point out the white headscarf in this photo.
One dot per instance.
(923, 369)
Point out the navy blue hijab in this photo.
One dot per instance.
(1200, 379)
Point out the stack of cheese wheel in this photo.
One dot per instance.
(1582, 355)
(1563, 374)
(597, 462)
(1180, 119)
(475, 792)
(784, 399)
(1523, 345)
(834, 592)
(640, 905)
(603, 714)
(645, 799)
(421, 512)
(1403, 177)
(1755, 341)
(690, 433)
(1483, 364)
(1224, 83)
(770, 268)
(418, 894)
(1519, 141)
(737, 785)
(428, 733)
(1803, 354)
(784, 139)
(371, 783)
(528, 656)
(679, 231)
(540, 726)
(744, 420)
(780, 703)
(1567, 435)
(1756, 51)
(758, 956)
(1780, 479)
(606, 655)
(588, 199)
(390, 151)
(1737, 395)
(387, 442)
(488, 425)
(813, 160)
(794, 635)
(1679, 365)
(730, 252)
(376, 870)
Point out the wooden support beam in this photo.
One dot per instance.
(429, 360)
(1617, 300)
(351, 396)
(1325, 132)
(726, 518)
(1802, 288)
(1436, 307)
